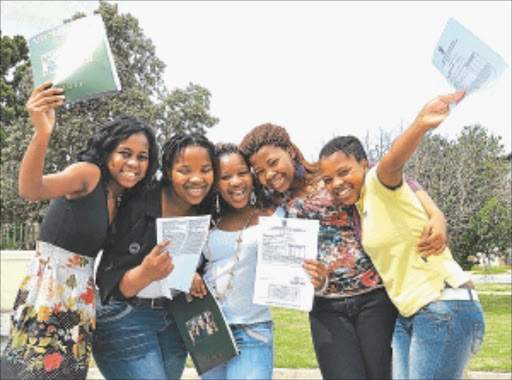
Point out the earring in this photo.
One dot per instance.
(253, 198)
(299, 171)
(217, 203)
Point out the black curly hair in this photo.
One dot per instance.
(172, 149)
(263, 199)
(101, 144)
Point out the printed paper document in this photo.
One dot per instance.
(282, 247)
(466, 61)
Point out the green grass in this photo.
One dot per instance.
(495, 352)
(479, 269)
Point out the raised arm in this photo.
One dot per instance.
(33, 185)
(390, 169)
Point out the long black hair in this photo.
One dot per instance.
(173, 148)
(101, 144)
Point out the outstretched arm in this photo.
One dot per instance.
(390, 169)
(33, 185)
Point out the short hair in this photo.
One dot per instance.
(173, 147)
(349, 145)
(101, 144)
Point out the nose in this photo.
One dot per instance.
(337, 182)
(269, 175)
(132, 161)
(235, 181)
(196, 179)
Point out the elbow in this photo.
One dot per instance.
(28, 194)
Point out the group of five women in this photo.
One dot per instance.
(381, 253)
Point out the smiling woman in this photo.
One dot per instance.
(54, 312)
(136, 336)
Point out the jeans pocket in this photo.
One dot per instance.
(112, 311)
(478, 336)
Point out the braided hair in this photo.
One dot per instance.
(171, 151)
(273, 135)
(101, 144)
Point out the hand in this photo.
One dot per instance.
(438, 109)
(433, 239)
(158, 263)
(317, 271)
(198, 289)
(41, 107)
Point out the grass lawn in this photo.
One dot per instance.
(293, 346)
(479, 269)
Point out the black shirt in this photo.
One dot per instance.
(78, 225)
(132, 237)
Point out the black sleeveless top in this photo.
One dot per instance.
(78, 225)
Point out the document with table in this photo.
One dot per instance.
(282, 247)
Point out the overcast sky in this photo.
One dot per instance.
(317, 68)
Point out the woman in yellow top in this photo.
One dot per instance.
(441, 321)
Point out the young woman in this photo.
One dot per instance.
(231, 255)
(441, 322)
(54, 312)
(352, 319)
(136, 336)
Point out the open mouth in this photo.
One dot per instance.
(343, 193)
(196, 191)
(276, 182)
(238, 195)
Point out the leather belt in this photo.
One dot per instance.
(160, 303)
(459, 294)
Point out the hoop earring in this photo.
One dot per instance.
(253, 198)
(217, 203)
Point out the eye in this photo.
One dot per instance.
(124, 153)
(327, 181)
(143, 157)
(225, 177)
(273, 163)
(258, 172)
(343, 173)
(207, 169)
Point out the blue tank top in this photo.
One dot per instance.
(78, 225)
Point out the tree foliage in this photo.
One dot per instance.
(143, 95)
(463, 176)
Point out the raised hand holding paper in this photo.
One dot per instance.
(75, 56)
(466, 61)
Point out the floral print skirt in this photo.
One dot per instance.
(53, 317)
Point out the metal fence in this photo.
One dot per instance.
(18, 235)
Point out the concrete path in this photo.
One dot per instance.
(314, 374)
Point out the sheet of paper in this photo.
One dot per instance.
(187, 235)
(282, 247)
(466, 61)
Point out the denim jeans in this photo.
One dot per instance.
(255, 342)
(352, 335)
(437, 341)
(137, 343)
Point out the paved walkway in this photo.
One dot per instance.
(314, 374)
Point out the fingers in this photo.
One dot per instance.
(453, 98)
(198, 288)
(157, 250)
(44, 98)
(317, 271)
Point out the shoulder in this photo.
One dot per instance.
(87, 173)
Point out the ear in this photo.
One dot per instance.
(364, 163)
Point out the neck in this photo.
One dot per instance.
(172, 205)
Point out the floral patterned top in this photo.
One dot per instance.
(351, 271)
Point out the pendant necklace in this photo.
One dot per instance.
(231, 274)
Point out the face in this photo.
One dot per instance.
(192, 174)
(234, 180)
(343, 176)
(273, 167)
(129, 161)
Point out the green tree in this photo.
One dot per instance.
(462, 175)
(14, 63)
(143, 95)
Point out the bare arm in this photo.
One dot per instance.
(76, 180)
(390, 169)
(155, 266)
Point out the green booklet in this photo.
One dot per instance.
(75, 56)
(204, 330)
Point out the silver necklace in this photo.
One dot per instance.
(231, 274)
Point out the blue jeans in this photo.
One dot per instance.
(438, 341)
(255, 342)
(137, 343)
